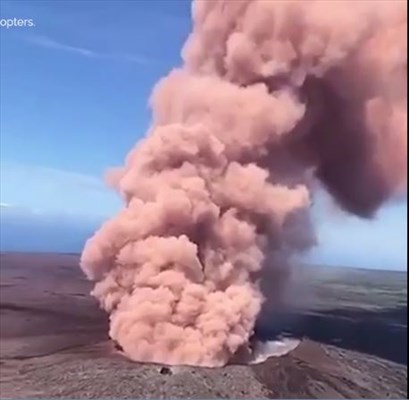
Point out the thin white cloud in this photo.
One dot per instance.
(5, 205)
(88, 182)
(51, 190)
(46, 42)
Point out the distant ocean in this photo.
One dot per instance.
(23, 230)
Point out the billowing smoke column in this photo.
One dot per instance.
(273, 97)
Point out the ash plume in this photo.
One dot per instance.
(272, 97)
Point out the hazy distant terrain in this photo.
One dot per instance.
(54, 340)
(357, 309)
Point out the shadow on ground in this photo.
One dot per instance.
(382, 333)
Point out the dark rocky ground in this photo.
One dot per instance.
(53, 340)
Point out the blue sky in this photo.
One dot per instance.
(74, 99)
